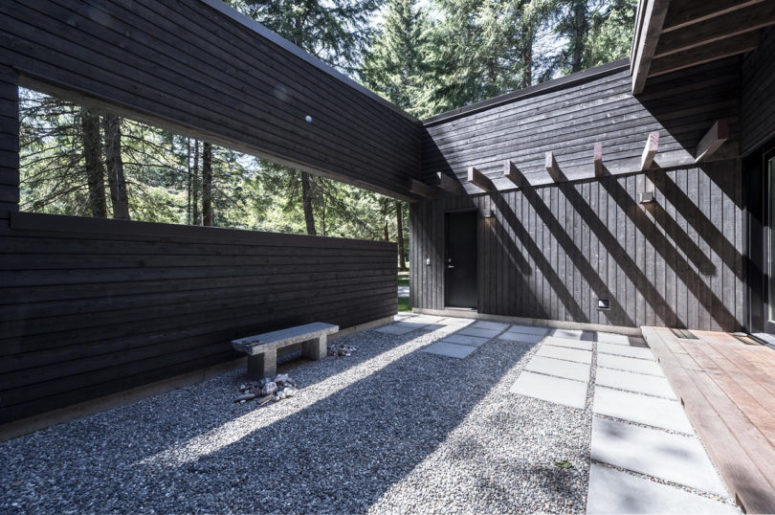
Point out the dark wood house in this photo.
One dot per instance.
(631, 194)
(638, 193)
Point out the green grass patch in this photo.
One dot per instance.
(403, 304)
(403, 278)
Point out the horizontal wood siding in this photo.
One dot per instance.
(757, 105)
(552, 251)
(91, 307)
(569, 120)
(187, 66)
(9, 144)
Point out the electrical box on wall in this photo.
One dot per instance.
(603, 304)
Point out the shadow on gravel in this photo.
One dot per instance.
(343, 452)
(340, 453)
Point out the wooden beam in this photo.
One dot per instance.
(647, 37)
(712, 140)
(598, 159)
(422, 189)
(689, 12)
(649, 151)
(747, 19)
(712, 52)
(479, 179)
(450, 184)
(512, 173)
(552, 168)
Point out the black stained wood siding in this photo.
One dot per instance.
(568, 117)
(757, 105)
(188, 66)
(9, 144)
(551, 251)
(90, 307)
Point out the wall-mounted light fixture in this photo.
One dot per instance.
(427, 261)
(603, 304)
(645, 197)
(489, 213)
(646, 193)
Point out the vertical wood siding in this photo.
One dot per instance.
(90, 307)
(184, 65)
(9, 143)
(757, 106)
(551, 251)
(569, 120)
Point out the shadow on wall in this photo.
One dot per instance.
(553, 251)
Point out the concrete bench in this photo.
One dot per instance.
(262, 348)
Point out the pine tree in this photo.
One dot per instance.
(336, 32)
(397, 66)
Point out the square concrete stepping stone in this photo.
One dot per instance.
(396, 329)
(641, 383)
(653, 452)
(651, 411)
(450, 350)
(482, 333)
(484, 324)
(529, 329)
(559, 368)
(565, 342)
(573, 334)
(625, 350)
(641, 366)
(614, 491)
(520, 337)
(552, 389)
(455, 322)
(463, 339)
(579, 356)
(620, 339)
(426, 319)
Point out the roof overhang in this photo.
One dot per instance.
(671, 35)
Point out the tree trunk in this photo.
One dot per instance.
(528, 36)
(580, 30)
(189, 181)
(400, 234)
(111, 124)
(306, 195)
(92, 154)
(195, 186)
(207, 184)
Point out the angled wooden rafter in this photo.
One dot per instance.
(598, 159)
(552, 168)
(649, 151)
(512, 173)
(712, 140)
(479, 179)
(422, 189)
(450, 184)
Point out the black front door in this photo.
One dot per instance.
(460, 261)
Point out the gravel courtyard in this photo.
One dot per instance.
(387, 429)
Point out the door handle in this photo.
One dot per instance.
(450, 266)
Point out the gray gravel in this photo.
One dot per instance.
(387, 429)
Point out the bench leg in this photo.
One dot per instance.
(262, 365)
(315, 349)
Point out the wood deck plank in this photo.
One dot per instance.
(714, 403)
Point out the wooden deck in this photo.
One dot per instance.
(728, 390)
